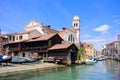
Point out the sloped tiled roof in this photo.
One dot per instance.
(25, 32)
(3, 36)
(28, 31)
(60, 46)
(49, 30)
(62, 33)
(42, 38)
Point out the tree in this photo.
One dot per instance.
(81, 53)
(49, 43)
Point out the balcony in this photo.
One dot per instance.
(42, 48)
(15, 49)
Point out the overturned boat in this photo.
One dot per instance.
(18, 59)
(5, 59)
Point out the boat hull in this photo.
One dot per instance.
(6, 59)
(90, 62)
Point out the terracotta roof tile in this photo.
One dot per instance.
(60, 46)
(49, 30)
(62, 33)
(28, 31)
(42, 38)
(22, 32)
(2, 36)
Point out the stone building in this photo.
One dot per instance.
(89, 48)
(111, 49)
(35, 29)
(21, 36)
(3, 40)
(71, 34)
(37, 38)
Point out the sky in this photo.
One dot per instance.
(99, 19)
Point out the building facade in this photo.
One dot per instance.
(37, 38)
(71, 34)
(3, 40)
(16, 37)
(89, 48)
(111, 49)
(119, 44)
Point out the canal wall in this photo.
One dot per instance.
(26, 69)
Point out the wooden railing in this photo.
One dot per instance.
(15, 49)
(42, 48)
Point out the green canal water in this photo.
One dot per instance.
(102, 70)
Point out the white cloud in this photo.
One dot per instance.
(102, 28)
(95, 40)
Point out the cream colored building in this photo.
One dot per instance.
(89, 49)
(17, 37)
(112, 48)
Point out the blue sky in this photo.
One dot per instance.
(100, 19)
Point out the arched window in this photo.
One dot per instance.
(73, 39)
(76, 24)
(69, 38)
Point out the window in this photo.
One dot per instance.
(69, 38)
(10, 38)
(20, 37)
(73, 39)
(16, 37)
(76, 24)
(13, 38)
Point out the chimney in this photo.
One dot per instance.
(49, 26)
(64, 28)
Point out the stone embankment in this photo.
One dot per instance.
(21, 68)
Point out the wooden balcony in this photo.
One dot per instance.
(15, 49)
(37, 49)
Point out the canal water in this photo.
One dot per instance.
(102, 70)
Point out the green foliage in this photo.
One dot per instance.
(49, 43)
(81, 53)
